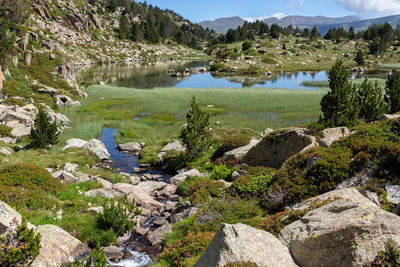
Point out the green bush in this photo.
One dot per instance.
(220, 67)
(395, 126)
(116, 216)
(19, 248)
(43, 133)
(253, 184)
(230, 143)
(393, 91)
(195, 134)
(194, 244)
(371, 100)
(97, 259)
(390, 257)
(14, 102)
(223, 172)
(269, 60)
(246, 45)
(28, 185)
(200, 189)
(5, 131)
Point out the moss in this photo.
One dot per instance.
(13, 102)
(5, 131)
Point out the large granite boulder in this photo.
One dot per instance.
(9, 218)
(150, 186)
(58, 248)
(241, 242)
(75, 143)
(145, 200)
(98, 148)
(240, 151)
(275, 149)
(347, 231)
(131, 147)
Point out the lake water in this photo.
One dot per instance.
(153, 76)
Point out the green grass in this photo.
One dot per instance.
(390, 66)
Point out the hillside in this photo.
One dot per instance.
(222, 25)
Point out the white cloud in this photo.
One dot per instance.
(276, 15)
(382, 7)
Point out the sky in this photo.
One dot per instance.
(199, 10)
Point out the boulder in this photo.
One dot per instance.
(134, 179)
(124, 188)
(98, 210)
(58, 248)
(390, 116)
(244, 243)
(168, 191)
(113, 253)
(104, 192)
(70, 167)
(9, 218)
(75, 142)
(157, 237)
(48, 90)
(347, 231)
(183, 215)
(150, 186)
(174, 145)
(393, 193)
(130, 147)
(266, 132)
(331, 135)
(145, 200)
(239, 152)
(357, 180)
(65, 177)
(98, 148)
(179, 178)
(105, 183)
(274, 150)
(21, 130)
(20, 117)
(5, 151)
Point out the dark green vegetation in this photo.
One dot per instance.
(195, 134)
(97, 259)
(43, 133)
(19, 248)
(389, 257)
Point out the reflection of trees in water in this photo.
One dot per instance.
(141, 76)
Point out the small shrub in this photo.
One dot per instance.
(200, 189)
(19, 248)
(5, 131)
(14, 102)
(43, 133)
(253, 184)
(223, 172)
(390, 257)
(175, 161)
(116, 216)
(246, 45)
(192, 245)
(230, 143)
(220, 67)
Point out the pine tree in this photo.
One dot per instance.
(359, 59)
(195, 135)
(136, 34)
(339, 106)
(371, 100)
(43, 133)
(314, 33)
(392, 96)
(124, 27)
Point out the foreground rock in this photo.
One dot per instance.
(240, 151)
(179, 178)
(241, 242)
(275, 149)
(58, 247)
(131, 147)
(348, 231)
(174, 145)
(93, 145)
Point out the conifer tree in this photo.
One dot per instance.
(339, 106)
(371, 100)
(392, 96)
(124, 27)
(359, 59)
(43, 133)
(195, 134)
(137, 33)
(314, 33)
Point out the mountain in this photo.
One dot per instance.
(361, 24)
(222, 25)
(306, 21)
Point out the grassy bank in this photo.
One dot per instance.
(160, 112)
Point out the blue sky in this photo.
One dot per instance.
(198, 10)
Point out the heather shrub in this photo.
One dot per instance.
(230, 143)
(5, 131)
(223, 172)
(390, 257)
(200, 189)
(253, 184)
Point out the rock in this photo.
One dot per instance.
(63, 101)
(5, 151)
(150, 186)
(393, 193)
(124, 188)
(104, 192)
(174, 145)
(1, 79)
(168, 191)
(239, 152)
(142, 231)
(52, 56)
(157, 237)
(98, 148)
(9, 218)
(20, 131)
(58, 247)
(241, 242)
(357, 180)
(134, 179)
(80, 93)
(145, 200)
(371, 196)
(179, 178)
(20, 117)
(160, 221)
(48, 90)
(348, 231)
(75, 142)
(70, 167)
(235, 175)
(274, 150)
(106, 184)
(8, 140)
(331, 135)
(390, 116)
(113, 253)
(97, 210)
(183, 215)
(170, 205)
(83, 177)
(130, 147)
(266, 132)
(121, 240)
(65, 177)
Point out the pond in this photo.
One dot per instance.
(156, 75)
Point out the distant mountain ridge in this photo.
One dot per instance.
(323, 24)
